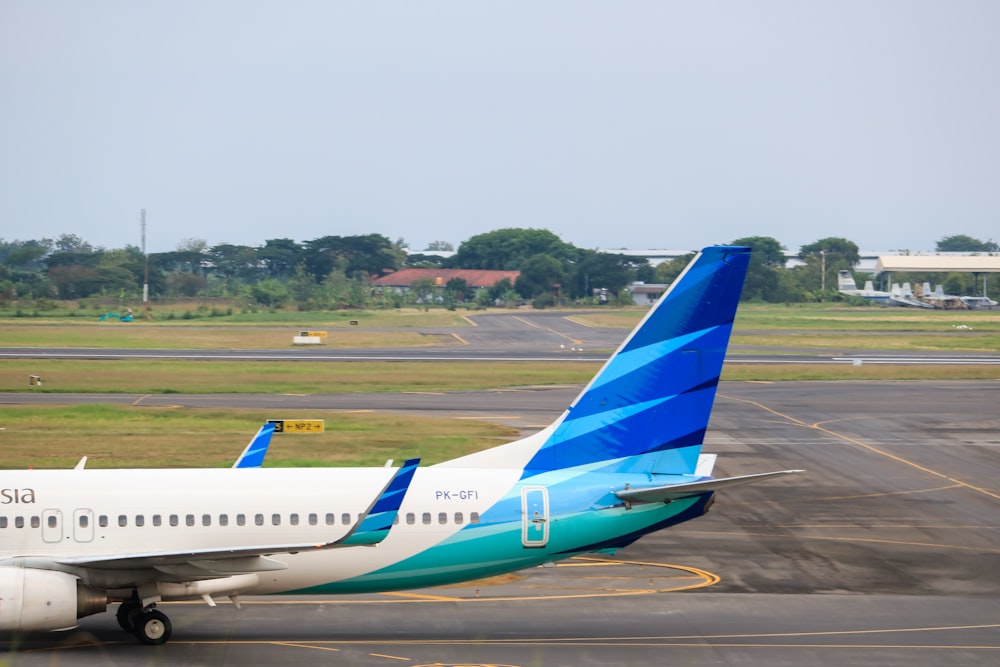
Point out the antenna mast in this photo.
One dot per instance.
(145, 278)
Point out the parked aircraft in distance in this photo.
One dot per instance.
(846, 285)
(904, 295)
(622, 461)
(953, 301)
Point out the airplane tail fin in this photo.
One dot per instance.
(647, 409)
(255, 451)
(845, 280)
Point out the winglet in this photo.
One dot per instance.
(374, 524)
(256, 450)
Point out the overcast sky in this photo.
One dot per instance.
(612, 124)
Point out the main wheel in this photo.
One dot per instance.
(126, 613)
(152, 627)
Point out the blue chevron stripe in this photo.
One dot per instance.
(656, 393)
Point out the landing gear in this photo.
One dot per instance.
(151, 627)
(126, 613)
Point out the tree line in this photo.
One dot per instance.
(333, 272)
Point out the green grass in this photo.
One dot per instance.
(113, 436)
(184, 337)
(241, 377)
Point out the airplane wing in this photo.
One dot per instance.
(668, 492)
(256, 449)
(371, 528)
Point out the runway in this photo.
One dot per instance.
(885, 553)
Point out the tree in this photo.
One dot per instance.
(121, 270)
(508, 249)
(600, 270)
(963, 243)
(667, 272)
(279, 257)
(25, 255)
(767, 263)
(235, 261)
(458, 289)
(824, 258)
(422, 290)
(73, 243)
(356, 256)
(540, 274)
(75, 281)
(440, 246)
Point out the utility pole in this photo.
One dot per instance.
(822, 275)
(145, 277)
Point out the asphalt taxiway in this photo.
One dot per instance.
(886, 552)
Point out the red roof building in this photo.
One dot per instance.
(404, 278)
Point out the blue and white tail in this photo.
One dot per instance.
(648, 408)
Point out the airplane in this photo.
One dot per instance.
(623, 460)
(939, 299)
(846, 285)
(904, 296)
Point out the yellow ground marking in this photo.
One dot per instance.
(460, 339)
(309, 646)
(871, 448)
(418, 596)
(471, 321)
(575, 341)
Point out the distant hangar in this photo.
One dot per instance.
(938, 264)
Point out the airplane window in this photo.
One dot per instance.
(330, 519)
(3, 522)
(442, 517)
(426, 518)
(345, 519)
(313, 519)
(241, 519)
(174, 520)
(19, 522)
(140, 520)
(223, 519)
(53, 522)
(35, 523)
(258, 519)
(275, 519)
(84, 521)
(410, 519)
(206, 519)
(157, 520)
(102, 521)
(459, 519)
(189, 519)
(474, 517)
(122, 520)
(293, 519)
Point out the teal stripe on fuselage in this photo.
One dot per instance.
(484, 551)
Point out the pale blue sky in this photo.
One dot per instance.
(613, 124)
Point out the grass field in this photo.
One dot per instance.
(113, 436)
